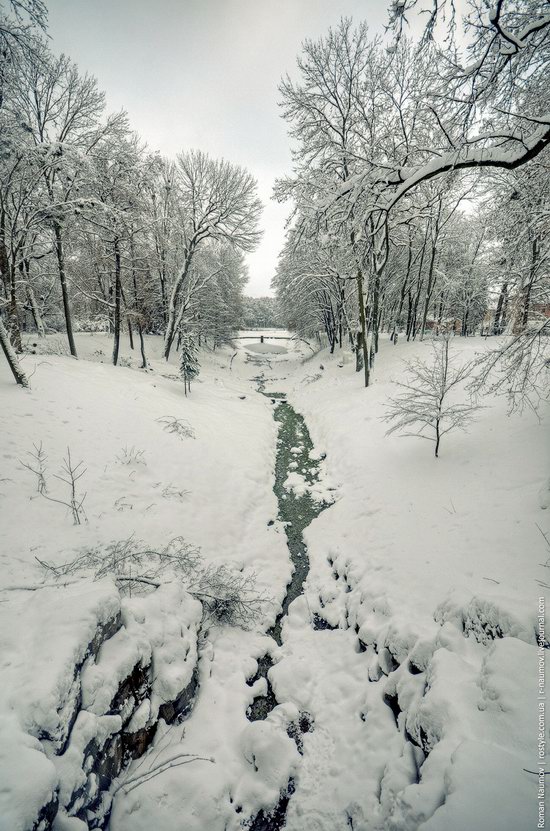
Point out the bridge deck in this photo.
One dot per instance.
(263, 337)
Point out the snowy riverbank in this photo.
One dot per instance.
(422, 698)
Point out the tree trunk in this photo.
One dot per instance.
(163, 298)
(11, 357)
(429, 290)
(363, 345)
(404, 287)
(130, 332)
(118, 297)
(408, 328)
(60, 254)
(413, 311)
(142, 347)
(13, 313)
(497, 325)
(35, 311)
(172, 315)
(375, 311)
(359, 352)
(526, 293)
(440, 314)
(139, 319)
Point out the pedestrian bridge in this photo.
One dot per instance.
(265, 337)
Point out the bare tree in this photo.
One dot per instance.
(217, 201)
(423, 409)
(61, 110)
(18, 28)
(518, 367)
(489, 98)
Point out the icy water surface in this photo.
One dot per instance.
(296, 511)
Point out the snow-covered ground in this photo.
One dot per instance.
(423, 698)
(432, 564)
(213, 489)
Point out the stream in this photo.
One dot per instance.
(296, 510)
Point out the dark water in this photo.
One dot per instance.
(296, 511)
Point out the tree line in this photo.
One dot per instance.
(420, 187)
(98, 232)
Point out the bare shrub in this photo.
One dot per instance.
(310, 379)
(131, 558)
(173, 492)
(179, 426)
(47, 346)
(131, 781)
(70, 476)
(131, 456)
(121, 504)
(228, 596)
(37, 465)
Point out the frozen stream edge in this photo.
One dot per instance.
(296, 510)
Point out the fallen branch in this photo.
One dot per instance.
(38, 586)
(145, 580)
(162, 767)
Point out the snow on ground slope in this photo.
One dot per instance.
(423, 698)
(213, 488)
(430, 567)
(141, 479)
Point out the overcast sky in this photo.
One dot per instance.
(204, 73)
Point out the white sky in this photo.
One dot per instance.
(204, 73)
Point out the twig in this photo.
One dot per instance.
(119, 578)
(37, 587)
(162, 767)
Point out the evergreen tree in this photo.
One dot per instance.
(189, 360)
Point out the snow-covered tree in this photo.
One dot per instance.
(60, 109)
(11, 357)
(189, 360)
(217, 201)
(431, 403)
(261, 313)
(389, 141)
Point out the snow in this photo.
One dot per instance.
(98, 410)
(430, 561)
(273, 757)
(72, 764)
(38, 673)
(423, 699)
(22, 759)
(266, 348)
